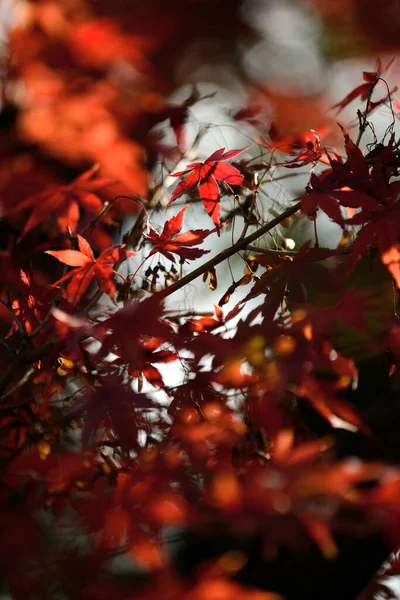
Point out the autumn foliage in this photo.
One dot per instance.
(150, 447)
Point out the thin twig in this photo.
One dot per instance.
(271, 251)
(106, 207)
(254, 200)
(10, 308)
(19, 384)
(241, 244)
(43, 323)
(363, 118)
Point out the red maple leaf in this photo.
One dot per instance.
(63, 202)
(287, 274)
(329, 196)
(136, 320)
(178, 114)
(141, 321)
(150, 353)
(346, 184)
(169, 240)
(112, 405)
(379, 214)
(305, 147)
(32, 306)
(383, 227)
(365, 89)
(249, 114)
(88, 267)
(205, 175)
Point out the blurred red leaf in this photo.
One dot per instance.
(149, 353)
(100, 43)
(111, 405)
(364, 90)
(63, 202)
(178, 114)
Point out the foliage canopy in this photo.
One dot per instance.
(262, 432)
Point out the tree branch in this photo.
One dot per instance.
(241, 244)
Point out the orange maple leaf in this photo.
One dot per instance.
(87, 267)
(63, 202)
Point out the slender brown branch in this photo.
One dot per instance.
(363, 119)
(241, 244)
(19, 384)
(8, 373)
(254, 200)
(10, 308)
(105, 209)
(27, 356)
(271, 251)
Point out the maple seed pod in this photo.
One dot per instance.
(66, 365)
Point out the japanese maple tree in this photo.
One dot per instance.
(151, 446)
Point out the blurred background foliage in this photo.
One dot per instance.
(86, 81)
